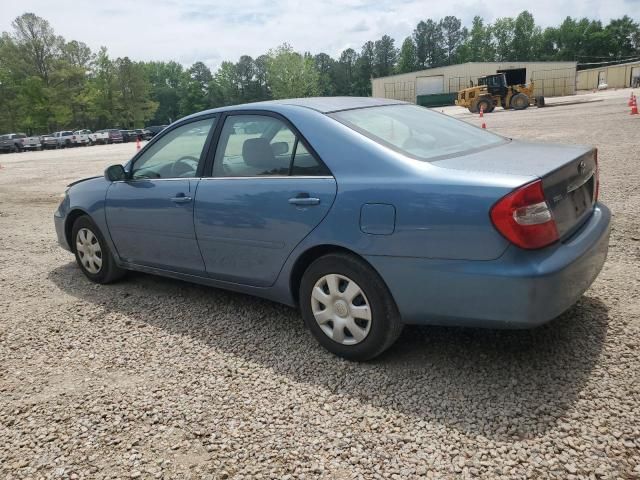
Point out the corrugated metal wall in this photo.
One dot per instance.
(615, 76)
(550, 78)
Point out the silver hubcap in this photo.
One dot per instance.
(341, 309)
(89, 250)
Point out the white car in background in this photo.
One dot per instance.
(64, 138)
(81, 137)
(101, 137)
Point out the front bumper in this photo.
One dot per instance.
(59, 222)
(521, 289)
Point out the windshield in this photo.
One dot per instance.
(416, 131)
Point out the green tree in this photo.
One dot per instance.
(524, 37)
(429, 41)
(194, 91)
(407, 60)
(346, 72)
(325, 65)
(290, 74)
(478, 46)
(364, 70)
(165, 81)
(453, 35)
(503, 31)
(133, 104)
(385, 54)
(625, 37)
(38, 45)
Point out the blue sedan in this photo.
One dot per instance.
(367, 214)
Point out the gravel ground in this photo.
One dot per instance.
(156, 378)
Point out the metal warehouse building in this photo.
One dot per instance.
(438, 86)
(615, 76)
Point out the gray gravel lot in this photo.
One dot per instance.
(156, 378)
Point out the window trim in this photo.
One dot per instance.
(170, 128)
(213, 146)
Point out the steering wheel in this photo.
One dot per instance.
(186, 164)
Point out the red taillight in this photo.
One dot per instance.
(524, 218)
(597, 179)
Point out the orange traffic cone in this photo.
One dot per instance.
(481, 111)
(630, 102)
(137, 143)
(484, 125)
(634, 107)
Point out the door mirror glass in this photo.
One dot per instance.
(115, 173)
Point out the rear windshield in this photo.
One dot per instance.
(417, 131)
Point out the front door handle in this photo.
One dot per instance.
(303, 199)
(181, 198)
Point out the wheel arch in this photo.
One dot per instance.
(307, 257)
(72, 216)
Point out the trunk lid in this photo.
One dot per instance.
(568, 174)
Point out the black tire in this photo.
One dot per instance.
(385, 324)
(486, 104)
(519, 101)
(540, 101)
(109, 271)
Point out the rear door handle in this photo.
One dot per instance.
(303, 199)
(181, 198)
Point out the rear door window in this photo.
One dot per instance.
(261, 145)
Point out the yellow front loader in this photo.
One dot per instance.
(492, 91)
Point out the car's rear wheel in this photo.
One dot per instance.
(92, 252)
(348, 308)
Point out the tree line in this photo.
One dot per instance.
(49, 83)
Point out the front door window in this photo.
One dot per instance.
(176, 154)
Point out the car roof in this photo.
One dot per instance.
(331, 104)
(319, 104)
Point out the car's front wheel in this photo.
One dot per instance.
(92, 252)
(348, 308)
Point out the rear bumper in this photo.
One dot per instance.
(521, 289)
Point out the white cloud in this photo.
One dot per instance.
(213, 31)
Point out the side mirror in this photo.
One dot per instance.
(115, 173)
(280, 148)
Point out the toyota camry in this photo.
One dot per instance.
(367, 214)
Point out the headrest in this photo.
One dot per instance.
(257, 153)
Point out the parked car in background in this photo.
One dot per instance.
(115, 136)
(17, 142)
(101, 137)
(81, 138)
(64, 138)
(155, 129)
(48, 141)
(366, 213)
(128, 136)
(143, 134)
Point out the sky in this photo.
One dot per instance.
(213, 31)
